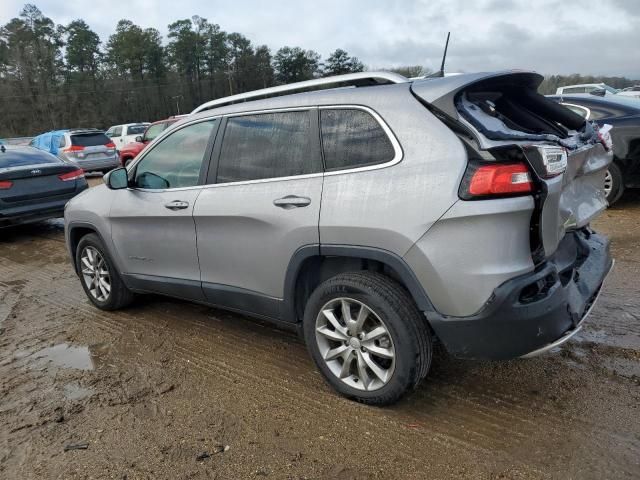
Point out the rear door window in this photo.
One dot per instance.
(89, 139)
(117, 132)
(353, 138)
(268, 145)
(177, 160)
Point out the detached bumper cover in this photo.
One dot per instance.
(527, 314)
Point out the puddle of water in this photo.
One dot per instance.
(67, 356)
(73, 391)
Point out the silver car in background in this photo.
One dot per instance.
(90, 148)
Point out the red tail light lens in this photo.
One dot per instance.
(74, 175)
(5, 184)
(110, 145)
(496, 180)
(74, 148)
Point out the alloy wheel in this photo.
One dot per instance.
(95, 274)
(355, 344)
(608, 183)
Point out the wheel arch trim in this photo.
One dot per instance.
(390, 259)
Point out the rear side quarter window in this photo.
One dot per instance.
(353, 138)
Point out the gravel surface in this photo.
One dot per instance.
(167, 389)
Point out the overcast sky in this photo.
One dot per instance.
(554, 36)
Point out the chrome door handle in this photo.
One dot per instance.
(292, 201)
(177, 205)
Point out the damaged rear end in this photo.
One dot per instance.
(520, 143)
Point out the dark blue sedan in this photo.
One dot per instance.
(35, 185)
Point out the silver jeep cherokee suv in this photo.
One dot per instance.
(377, 218)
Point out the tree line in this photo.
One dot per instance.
(64, 76)
(60, 76)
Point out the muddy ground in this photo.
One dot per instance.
(171, 390)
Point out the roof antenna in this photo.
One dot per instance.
(444, 55)
(440, 73)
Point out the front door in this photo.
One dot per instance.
(152, 222)
(264, 206)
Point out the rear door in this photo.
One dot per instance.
(264, 205)
(152, 223)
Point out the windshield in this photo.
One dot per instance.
(610, 89)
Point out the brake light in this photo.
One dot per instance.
(110, 145)
(5, 184)
(74, 148)
(73, 175)
(499, 179)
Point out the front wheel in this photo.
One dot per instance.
(98, 275)
(367, 337)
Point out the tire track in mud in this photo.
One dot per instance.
(492, 428)
(444, 423)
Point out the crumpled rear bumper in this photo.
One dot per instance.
(534, 312)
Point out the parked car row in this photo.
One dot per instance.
(601, 89)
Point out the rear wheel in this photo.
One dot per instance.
(367, 337)
(98, 275)
(613, 184)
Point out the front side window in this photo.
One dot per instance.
(353, 138)
(267, 145)
(177, 160)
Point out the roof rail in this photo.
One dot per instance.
(363, 79)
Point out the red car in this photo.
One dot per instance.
(131, 150)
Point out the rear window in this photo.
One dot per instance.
(135, 129)
(20, 157)
(353, 138)
(90, 139)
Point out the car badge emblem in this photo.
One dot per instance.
(35, 171)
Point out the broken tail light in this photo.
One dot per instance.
(494, 180)
(73, 175)
(554, 159)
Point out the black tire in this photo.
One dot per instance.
(617, 184)
(407, 327)
(126, 162)
(119, 296)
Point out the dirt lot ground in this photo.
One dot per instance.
(171, 390)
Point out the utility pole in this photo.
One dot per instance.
(177, 99)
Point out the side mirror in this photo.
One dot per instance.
(116, 179)
(139, 139)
